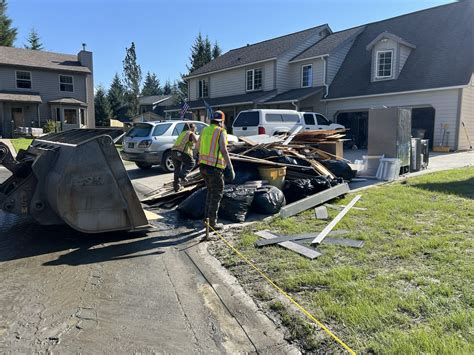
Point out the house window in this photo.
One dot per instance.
(23, 80)
(66, 83)
(70, 116)
(254, 79)
(203, 88)
(306, 75)
(384, 64)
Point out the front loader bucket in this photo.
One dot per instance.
(74, 177)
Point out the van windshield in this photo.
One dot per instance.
(140, 130)
(247, 119)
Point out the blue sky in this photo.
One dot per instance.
(164, 31)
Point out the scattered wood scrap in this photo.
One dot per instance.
(335, 221)
(300, 249)
(293, 238)
(321, 212)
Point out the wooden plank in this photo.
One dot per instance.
(341, 207)
(292, 135)
(321, 212)
(314, 200)
(335, 221)
(300, 249)
(293, 238)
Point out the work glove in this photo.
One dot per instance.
(229, 174)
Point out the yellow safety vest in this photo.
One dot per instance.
(184, 143)
(209, 150)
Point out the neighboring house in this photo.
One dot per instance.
(36, 86)
(155, 104)
(422, 60)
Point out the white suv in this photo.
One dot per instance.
(272, 122)
(150, 143)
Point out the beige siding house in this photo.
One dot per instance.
(36, 86)
(422, 60)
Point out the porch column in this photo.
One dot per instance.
(39, 116)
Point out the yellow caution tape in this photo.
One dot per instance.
(300, 307)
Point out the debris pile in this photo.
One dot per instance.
(271, 171)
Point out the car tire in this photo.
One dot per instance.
(167, 163)
(144, 166)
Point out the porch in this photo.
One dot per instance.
(19, 112)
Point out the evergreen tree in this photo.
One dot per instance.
(116, 96)
(7, 33)
(102, 110)
(207, 50)
(151, 85)
(167, 89)
(197, 54)
(216, 50)
(132, 74)
(34, 41)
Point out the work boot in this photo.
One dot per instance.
(216, 226)
(177, 187)
(184, 179)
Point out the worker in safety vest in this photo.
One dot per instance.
(182, 154)
(213, 159)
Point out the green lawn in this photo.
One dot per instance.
(409, 290)
(21, 143)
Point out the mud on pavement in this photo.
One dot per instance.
(63, 291)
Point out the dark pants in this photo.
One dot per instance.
(214, 179)
(183, 164)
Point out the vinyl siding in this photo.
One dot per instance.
(404, 53)
(46, 83)
(283, 72)
(318, 73)
(467, 116)
(335, 60)
(445, 103)
(233, 81)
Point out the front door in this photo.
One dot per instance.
(18, 118)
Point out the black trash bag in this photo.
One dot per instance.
(268, 200)
(245, 172)
(263, 153)
(297, 189)
(193, 206)
(319, 183)
(236, 203)
(339, 168)
(284, 159)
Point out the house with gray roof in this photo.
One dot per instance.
(37, 86)
(422, 60)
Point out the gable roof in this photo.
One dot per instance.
(444, 54)
(258, 52)
(40, 59)
(328, 44)
(152, 100)
(389, 36)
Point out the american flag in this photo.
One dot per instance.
(210, 111)
(184, 109)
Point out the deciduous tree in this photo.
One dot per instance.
(132, 74)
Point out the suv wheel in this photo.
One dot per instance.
(144, 166)
(167, 163)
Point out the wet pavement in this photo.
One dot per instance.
(67, 292)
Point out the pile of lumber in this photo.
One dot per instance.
(301, 146)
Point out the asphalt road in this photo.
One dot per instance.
(156, 292)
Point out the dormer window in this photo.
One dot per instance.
(306, 76)
(384, 64)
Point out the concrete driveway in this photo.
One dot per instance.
(157, 292)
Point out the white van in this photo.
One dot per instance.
(263, 121)
(272, 122)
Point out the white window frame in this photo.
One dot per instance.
(253, 80)
(16, 79)
(392, 62)
(310, 79)
(59, 79)
(207, 87)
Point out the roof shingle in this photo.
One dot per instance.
(443, 57)
(40, 59)
(268, 49)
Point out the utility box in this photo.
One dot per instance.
(390, 134)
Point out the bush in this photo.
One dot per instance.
(50, 127)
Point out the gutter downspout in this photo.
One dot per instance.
(325, 83)
(296, 105)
